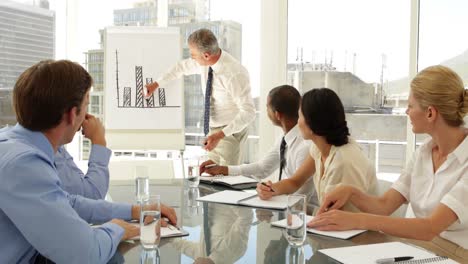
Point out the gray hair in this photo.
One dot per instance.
(205, 41)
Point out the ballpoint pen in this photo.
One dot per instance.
(392, 260)
(211, 165)
(264, 184)
(169, 225)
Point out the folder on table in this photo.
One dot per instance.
(236, 182)
(166, 232)
(245, 198)
(336, 234)
(369, 254)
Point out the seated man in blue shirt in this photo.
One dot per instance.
(37, 217)
(95, 183)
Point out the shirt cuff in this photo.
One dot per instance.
(227, 131)
(122, 211)
(117, 232)
(457, 207)
(100, 154)
(234, 170)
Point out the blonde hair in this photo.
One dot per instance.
(442, 88)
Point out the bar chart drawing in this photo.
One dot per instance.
(133, 58)
(139, 101)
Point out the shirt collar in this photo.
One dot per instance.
(37, 139)
(217, 67)
(292, 135)
(461, 152)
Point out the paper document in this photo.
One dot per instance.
(336, 234)
(247, 199)
(226, 197)
(275, 202)
(369, 254)
(228, 180)
(166, 232)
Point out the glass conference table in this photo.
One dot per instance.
(238, 234)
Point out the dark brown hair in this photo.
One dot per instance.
(286, 100)
(324, 114)
(48, 89)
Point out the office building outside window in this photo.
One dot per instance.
(433, 31)
(27, 36)
(359, 50)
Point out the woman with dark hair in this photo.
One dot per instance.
(334, 158)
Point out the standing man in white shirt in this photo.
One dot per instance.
(287, 154)
(229, 106)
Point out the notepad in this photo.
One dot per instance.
(369, 254)
(276, 202)
(226, 197)
(166, 232)
(245, 198)
(231, 181)
(437, 260)
(336, 234)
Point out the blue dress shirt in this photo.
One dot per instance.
(95, 183)
(38, 216)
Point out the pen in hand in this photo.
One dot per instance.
(392, 260)
(211, 165)
(169, 225)
(264, 184)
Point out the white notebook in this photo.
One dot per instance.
(227, 180)
(246, 198)
(226, 197)
(166, 232)
(336, 234)
(369, 254)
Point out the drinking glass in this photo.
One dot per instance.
(296, 229)
(193, 169)
(295, 255)
(150, 257)
(193, 206)
(150, 222)
(142, 183)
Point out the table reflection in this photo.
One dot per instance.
(223, 236)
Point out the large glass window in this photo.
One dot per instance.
(442, 39)
(360, 50)
(27, 36)
(77, 36)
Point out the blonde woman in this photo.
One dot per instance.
(435, 182)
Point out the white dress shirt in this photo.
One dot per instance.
(231, 100)
(296, 151)
(347, 165)
(425, 190)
